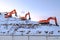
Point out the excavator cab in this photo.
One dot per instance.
(6, 15)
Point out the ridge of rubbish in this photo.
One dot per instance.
(16, 26)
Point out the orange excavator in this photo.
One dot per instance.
(9, 14)
(48, 20)
(25, 17)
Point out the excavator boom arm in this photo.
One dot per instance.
(28, 15)
(53, 18)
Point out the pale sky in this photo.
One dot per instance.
(39, 9)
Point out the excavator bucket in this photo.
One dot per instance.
(16, 14)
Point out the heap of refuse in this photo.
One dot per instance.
(22, 26)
